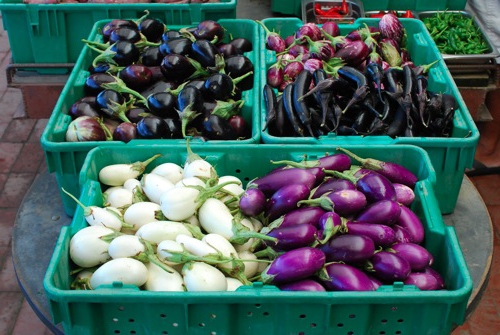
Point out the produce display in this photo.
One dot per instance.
(313, 225)
(456, 33)
(148, 81)
(361, 83)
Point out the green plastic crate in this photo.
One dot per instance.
(66, 158)
(32, 28)
(394, 309)
(450, 156)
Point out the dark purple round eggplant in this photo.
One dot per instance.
(380, 234)
(418, 257)
(93, 83)
(412, 224)
(126, 53)
(163, 85)
(285, 199)
(217, 128)
(240, 126)
(135, 114)
(293, 265)
(108, 100)
(125, 34)
(228, 50)
(426, 280)
(237, 66)
(136, 76)
(125, 132)
(302, 215)
(152, 29)
(180, 46)
(177, 67)
(189, 95)
(303, 285)
(174, 128)
(375, 186)
(209, 30)
(109, 27)
(351, 249)
(292, 237)
(344, 277)
(389, 267)
(204, 53)
(273, 181)
(151, 56)
(252, 202)
(85, 106)
(332, 185)
(152, 127)
(382, 212)
(404, 194)
(219, 86)
(162, 104)
(242, 44)
(170, 34)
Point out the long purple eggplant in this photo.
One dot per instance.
(344, 277)
(351, 249)
(337, 162)
(427, 280)
(382, 212)
(332, 184)
(293, 265)
(285, 199)
(381, 235)
(396, 173)
(293, 237)
(417, 256)
(344, 202)
(389, 267)
(309, 215)
(252, 202)
(303, 285)
(273, 181)
(412, 224)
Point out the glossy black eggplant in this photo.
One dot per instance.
(125, 53)
(162, 85)
(135, 114)
(189, 96)
(174, 128)
(288, 106)
(162, 104)
(112, 104)
(110, 26)
(209, 30)
(217, 128)
(177, 67)
(125, 34)
(358, 79)
(375, 74)
(323, 97)
(93, 83)
(170, 34)
(151, 56)
(85, 106)
(237, 66)
(152, 127)
(301, 107)
(152, 29)
(242, 44)
(271, 105)
(219, 86)
(180, 45)
(136, 76)
(204, 53)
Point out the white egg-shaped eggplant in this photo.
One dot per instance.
(131, 184)
(191, 181)
(167, 252)
(126, 246)
(154, 185)
(178, 204)
(120, 198)
(163, 279)
(140, 213)
(117, 174)
(88, 249)
(128, 271)
(250, 261)
(195, 246)
(169, 170)
(158, 231)
(200, 277)
(233, 284)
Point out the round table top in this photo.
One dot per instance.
(42, 209)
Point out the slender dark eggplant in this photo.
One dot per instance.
(357, 78)
(375, 73)
(271, 105)
(288, 106)
(300, 88)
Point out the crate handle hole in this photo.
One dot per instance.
(313, 325)
(265, 313)
(400, 320)
(201, 324)
(163, 316)
(340, 325)
(383, 321)
(352, 316)
(302, 316)
(131, 320)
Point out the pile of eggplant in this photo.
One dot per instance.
(151, 82)
(313, 225)
(362, 83)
